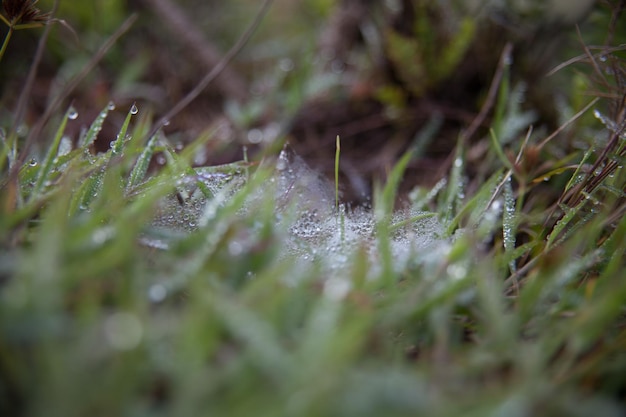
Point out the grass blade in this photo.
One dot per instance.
(509, 222)
(48, 162)
(140, 169)
(118, 145)
(96, 127)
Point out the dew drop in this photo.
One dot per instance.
(235, 248)
(72, 114)
(166, 122)
(32, 162)
(456, 272)
(22, 130)
(100, 236)
(255, 136)
(134, 109)
(200, 157)
(123, 331)
(282, 163)
(337, 288)
(286, 64)
(597, 114)
(65, 146)
(157, 293)
(111, 105)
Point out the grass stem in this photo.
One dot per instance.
(6, 42)
(337, 154)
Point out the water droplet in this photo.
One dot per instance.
(32, 162)
(123, 331)
(598, 115)
(200, 157)
(157, 293)
(160, 159)
(281, 164)
(22, 130)
(65, 146)
(101, 235)
(456, 272)
(235, 248)
(166, 122)
(111, 105)
(508, 60)
(134, 109)
(271, 132)
(255, 136)
(72, 114)
(285, 64)
(458, 162)
(337, 288)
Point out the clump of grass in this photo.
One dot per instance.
(518, 309)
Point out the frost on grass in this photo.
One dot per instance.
(314, 230)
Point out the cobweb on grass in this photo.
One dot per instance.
(314, 230)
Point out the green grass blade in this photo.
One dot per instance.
(48, 162)
(452, 198)
(118, 145)
(498, 148)
(477, 206)
(337, 154)
(96, 127)
(140, 168)
(564, 222)
(509, 222)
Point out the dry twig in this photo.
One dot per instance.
(215, 71)
(230, 83)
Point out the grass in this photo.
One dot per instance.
(110, 306)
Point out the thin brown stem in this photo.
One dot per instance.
(73, 83)
(466, 135)
(184, 31)
(217, 69)
(505, 59)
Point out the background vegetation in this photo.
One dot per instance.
(473, 266)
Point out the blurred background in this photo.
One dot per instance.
(381, 74)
